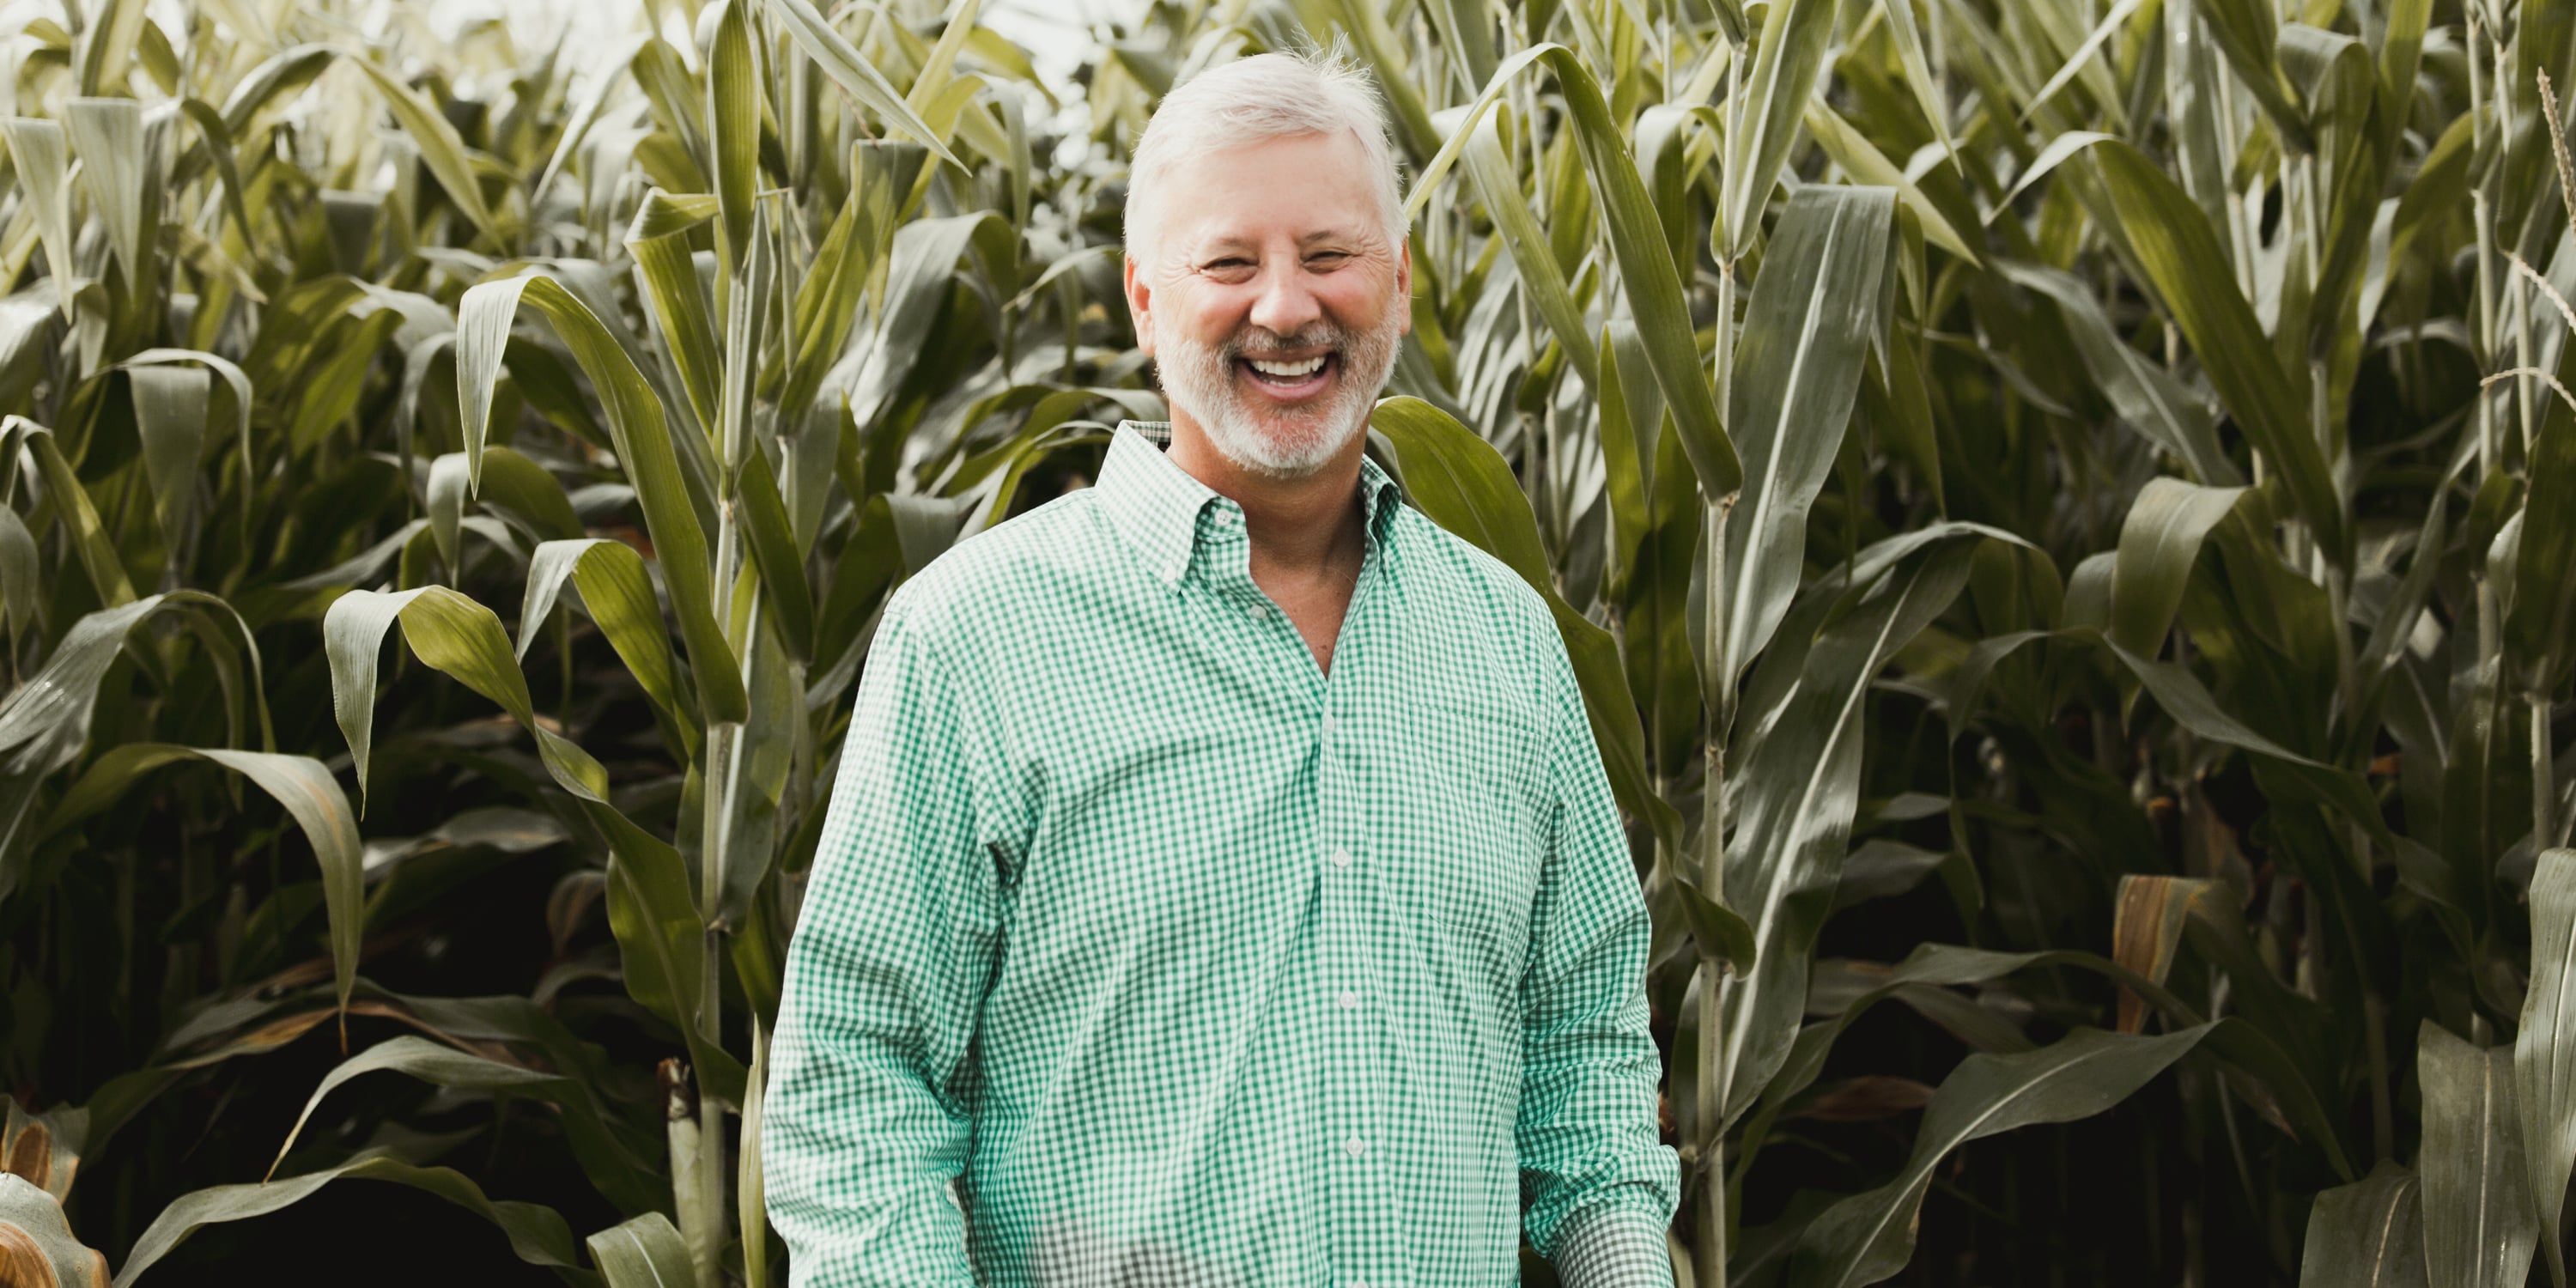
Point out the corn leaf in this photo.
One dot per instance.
(1870, 1237)
(644, 446)
(107, 135)
(1647, 273)
(2478, 1222)
(643, 1252)
(2369, 1234)
(1797, 374)
(2159, 542)
(1798, 791)
(442, 149)
(866, 86)
(2181, 257)
(538, 1235)
(1785, 61)
(2544, 1052)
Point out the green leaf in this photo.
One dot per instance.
(2248, 32)
(1870, 1237)
(442, 149)
(170, 417)
(921, 269)
(1720, 933)
(45, 721)
(2369, 1234)
(1647, 273)
(537, 1234)
(1796, 795)
(2159, 543)
(644, 446)
(661, 947)
(658, 239)
(644, 1252)
(452, 634)
(866, 86)
(618, 594)
(530, 492)
(1918, 72)
(1797, 374)
(2540, 622)
(2544, 1052)
(21, 573)
(1500, 190)
(42, 160)
(2173, 243)
(2149, 398)
(733, 116)
(2237, 1041)
(827, 300)
(242, 395)
(1465, 486)
(1862, 160)
(82, 529)
(107, 135)
(608, 1164)
(1785, 61)
(2478, 1222)
(108, 45)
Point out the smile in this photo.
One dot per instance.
(1290, 379)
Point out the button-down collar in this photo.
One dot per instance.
(1161, 509)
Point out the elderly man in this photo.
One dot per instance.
(1221, 886)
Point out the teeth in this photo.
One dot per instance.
(1288, 369)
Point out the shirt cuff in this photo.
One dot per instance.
(1613, 1248)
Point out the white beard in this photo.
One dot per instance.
(1281, 443)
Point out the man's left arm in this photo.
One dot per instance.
(1598, 1187)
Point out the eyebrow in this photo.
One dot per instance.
(1227, 243)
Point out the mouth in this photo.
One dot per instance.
(1291, 379)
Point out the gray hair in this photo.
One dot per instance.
(1247, 101)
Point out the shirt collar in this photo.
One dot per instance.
(1157, 503)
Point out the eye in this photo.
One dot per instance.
(1328, 258)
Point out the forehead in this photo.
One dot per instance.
(1292, 185)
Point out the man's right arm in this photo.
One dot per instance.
(863, 1126)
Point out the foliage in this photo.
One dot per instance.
(2049, 502)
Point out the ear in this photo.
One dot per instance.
(1140, 306)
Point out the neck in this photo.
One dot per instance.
(1307, 526)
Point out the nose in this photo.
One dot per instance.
(1284, 304)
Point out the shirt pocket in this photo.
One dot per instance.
(1472, 802)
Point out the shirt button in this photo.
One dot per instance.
(1340, 858)
(1328, 726)
(1356, 1146)
(1257, 611)
(1350, 1001)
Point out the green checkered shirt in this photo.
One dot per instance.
(1139, 951)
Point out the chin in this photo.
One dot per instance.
(1275, 446)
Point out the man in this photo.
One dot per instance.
(1221, 886)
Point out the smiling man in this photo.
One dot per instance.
(1221, 885)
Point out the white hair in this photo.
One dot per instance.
(1247, 101)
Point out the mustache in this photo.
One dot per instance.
(1255, 342)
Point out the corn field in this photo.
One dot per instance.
(2064, 512)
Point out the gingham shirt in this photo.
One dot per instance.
(1190, 964)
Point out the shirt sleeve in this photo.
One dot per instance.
(1598, 1187)
(867, 1115)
